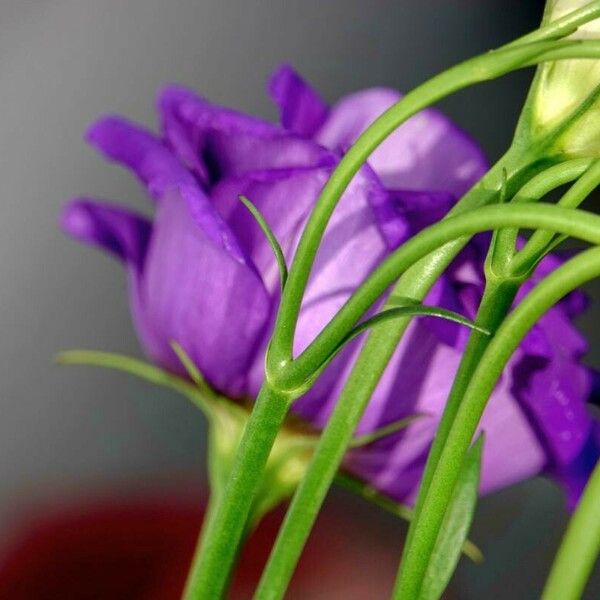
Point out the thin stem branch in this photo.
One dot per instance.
(212, 564)
(504, 244)
(575, 223)
(357, 391)
(579, 191)
(476, 70)
(579, 547)
(551, 290)
(496, 302)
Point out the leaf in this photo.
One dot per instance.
(275, 246)
(191, 369)
(409, 308)
(455, 526)
(373, 436)
(404, 511)
(110, 360)
(418, 310)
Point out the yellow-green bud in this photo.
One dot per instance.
(562, 88)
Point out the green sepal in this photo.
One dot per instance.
(201, 398)
(227, 419)
(271, 238)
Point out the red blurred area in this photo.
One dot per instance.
(140, 550)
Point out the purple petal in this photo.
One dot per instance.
(353, 243)
(459, 289)
(553, 391)
(549, 379)
(125, 235)
(196, 293)
(136, 148)
(284, 198)
(301, 109)
(422, 208)
(574, 476)
(122, 233)
(160, 170)
(217, 142)
(418, 381)
(428, 152)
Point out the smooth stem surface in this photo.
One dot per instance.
(509, 336)
(578, 192)
(536, 188)
(362, 381)
(476, 70)
(574, 223)
(212, 565)
(496, 302)
(563, 26)
(378, 350)
(579, 547)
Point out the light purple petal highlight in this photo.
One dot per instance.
(418, 381)
(428, 152)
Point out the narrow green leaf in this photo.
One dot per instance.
(192, 370)
(419, 310)
(373, 436)
(275, 246)
(141, 369)
(409, 308)
(455, 526)
(405, 512)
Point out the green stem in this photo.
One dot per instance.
(535, 189)
(210, 570)
(454, 231)
(563, 26)
(212, 564)
(551, 290)
(476, 70)
(495, 305)
(362, 381)
(379, 348)
(579, 547)
(538, 244)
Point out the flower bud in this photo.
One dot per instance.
(285, 468)
(566, 94)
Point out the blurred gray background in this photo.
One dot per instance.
(77, 432)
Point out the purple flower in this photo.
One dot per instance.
(201, 272)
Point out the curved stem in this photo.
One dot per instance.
(482, 68)
(368, 369)
(563, 26)
(210, 570)
(426, 525)
(212, 564)
(504, 244)
(579, 547)
(496, 302)
(360, 385)
(572, 222)
(579, 191)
